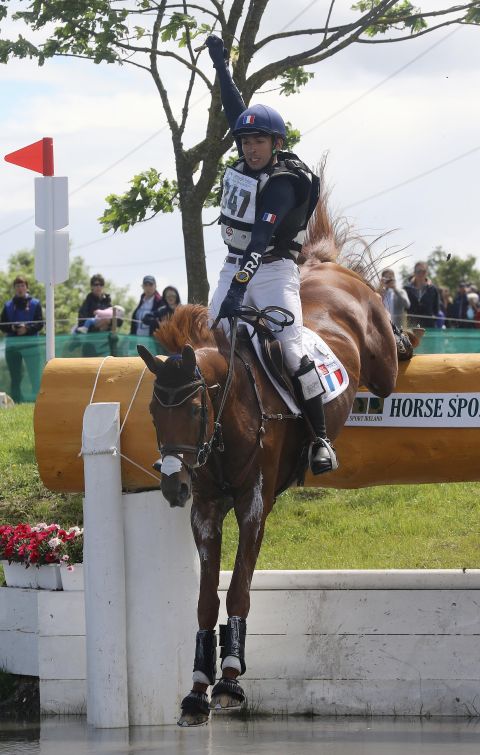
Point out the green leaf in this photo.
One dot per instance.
(179, 22)
(396, 17)
(473, 15)
(293, 80)
(148, 192)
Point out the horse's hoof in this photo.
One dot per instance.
(187, 719)
(227, 695)
(195, 710)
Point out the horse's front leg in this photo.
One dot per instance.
(206, 520)
(251, 510)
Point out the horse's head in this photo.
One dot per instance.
(183, 418)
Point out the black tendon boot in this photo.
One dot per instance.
(227, 693)
(195, 707)
(321, 455)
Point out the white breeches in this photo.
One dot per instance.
(274, 284)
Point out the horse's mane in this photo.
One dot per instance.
(188, 324)
(332, 239)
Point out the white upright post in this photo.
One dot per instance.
(49, 282)
(162, 577)
(105, 609)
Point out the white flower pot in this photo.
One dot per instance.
(72, 579)
(49, 577)
(17, 575)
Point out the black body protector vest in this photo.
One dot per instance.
(240, 200)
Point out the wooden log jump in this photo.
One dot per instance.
(427, 431)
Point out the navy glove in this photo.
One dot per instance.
(216, 50)
(232, 302)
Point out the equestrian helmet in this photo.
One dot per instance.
(260, 119)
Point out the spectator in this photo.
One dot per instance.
(172, 300)
(145, 317)
(424, 298)
(472, 309)
(476, 319)
(22, 316)
(445, 308)
(102, 319)
(460, 307)
(395, 299)
(95, 300)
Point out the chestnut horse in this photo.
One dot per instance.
(244, 458)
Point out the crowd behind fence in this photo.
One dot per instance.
(31, 349)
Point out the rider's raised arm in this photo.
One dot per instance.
(232, 100)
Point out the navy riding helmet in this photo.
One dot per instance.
(260, 119)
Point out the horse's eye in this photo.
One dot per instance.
(196, 410)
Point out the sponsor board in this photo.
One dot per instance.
(416, 410)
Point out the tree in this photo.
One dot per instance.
(448, 270)
(145, 33)
(68, 295)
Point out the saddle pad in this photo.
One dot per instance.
(332, 373)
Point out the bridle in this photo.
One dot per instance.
(204, 447)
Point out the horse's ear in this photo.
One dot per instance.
(188, 358)
(153, 364)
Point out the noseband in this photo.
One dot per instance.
(203, 448)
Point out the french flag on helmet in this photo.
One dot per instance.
(260, 119)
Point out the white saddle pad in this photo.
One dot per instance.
(332, 373)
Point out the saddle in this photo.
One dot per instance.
(272, 354)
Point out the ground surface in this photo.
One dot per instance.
(268, 736)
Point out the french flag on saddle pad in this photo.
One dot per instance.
(269, 217)
(333, 379)
(247, 120)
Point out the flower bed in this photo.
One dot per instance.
(43, 548)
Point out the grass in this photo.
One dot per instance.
(397, 526)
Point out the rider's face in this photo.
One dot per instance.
(257, 149)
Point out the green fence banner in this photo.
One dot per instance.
(22, 358)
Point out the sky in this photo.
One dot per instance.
(400, 124)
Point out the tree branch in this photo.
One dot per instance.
(192, 76)
(337, 31)
(246, 45)
(330, 10)
(157, 79)
(390, 40)
(165, 54)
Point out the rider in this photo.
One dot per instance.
(268, 197)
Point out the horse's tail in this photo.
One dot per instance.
(325, 235)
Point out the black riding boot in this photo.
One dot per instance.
(321, 455)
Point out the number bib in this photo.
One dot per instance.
(238, 208)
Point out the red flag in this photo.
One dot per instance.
(37, 156)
